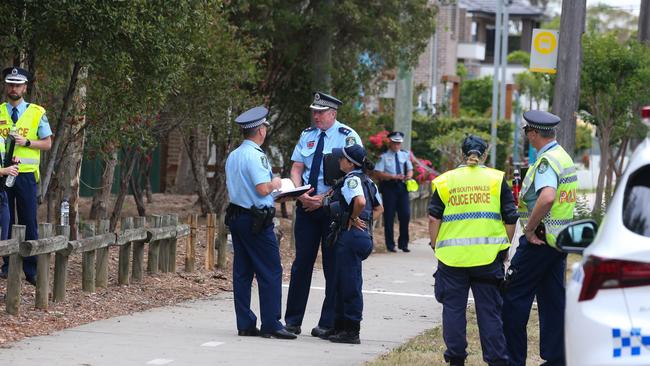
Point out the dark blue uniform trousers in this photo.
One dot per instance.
(538, 272)
(353, 246)
(451, 290)
(259, 255)
(22, 200)
(396, 198)
(311, 229)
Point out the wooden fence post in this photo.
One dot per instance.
(222, 241)
(43, 270)
(209, 248)
(155, 221)
(101, 274)
(190, 252)
(163, 260)
(173, 220)
(88, 260)
(14, 283)
(124, 254)
(138, 252)
(61, 267)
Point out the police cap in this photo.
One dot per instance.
(355, 153)
(324, 101)
(541, 120)
(253, 117)
(396, 136)
(16, 75)
(474, 144)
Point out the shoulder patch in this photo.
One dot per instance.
(350, 140)
(352, 183)
(265, 161)
(344, 130)
(542, 167)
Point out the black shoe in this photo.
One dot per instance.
(322, 333)
(281, 333)
(295, 329)
(31, 280)
(406, 250)
(392, 250)
(346, 336)
(253, 332)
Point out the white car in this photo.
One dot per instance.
(607, 318)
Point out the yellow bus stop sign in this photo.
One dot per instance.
(543, 55)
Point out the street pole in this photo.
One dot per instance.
(404, 103)
(504, 59)
(495, 83)
(517, 110)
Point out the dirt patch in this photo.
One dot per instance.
(155, 290)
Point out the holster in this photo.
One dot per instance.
(262, 218)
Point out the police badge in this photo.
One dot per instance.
(265, 162)
(349, 141)
(352, 183)
(543, 166)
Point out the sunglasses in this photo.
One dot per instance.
(527, 129)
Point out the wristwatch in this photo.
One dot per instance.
(526, 228)
(27, 143)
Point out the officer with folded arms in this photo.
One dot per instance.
(250, 218)
(394, 168)
(472, 219)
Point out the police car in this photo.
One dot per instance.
(607, 318)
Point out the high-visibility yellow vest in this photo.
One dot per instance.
(472, 232)
(26, 126)
(561, 213)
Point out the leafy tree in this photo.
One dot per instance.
(615, 80)
(476, 96)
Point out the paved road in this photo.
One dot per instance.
(399, 304)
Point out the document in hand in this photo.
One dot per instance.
(288, 189)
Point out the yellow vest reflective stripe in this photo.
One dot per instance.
(561, 213)
(26, 126)
(472, 232)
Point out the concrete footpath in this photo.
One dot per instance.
(398, 299)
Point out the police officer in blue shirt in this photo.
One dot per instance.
(16, 118)
(312, 223)
(394, 168)
(250, 218)
(359, 204)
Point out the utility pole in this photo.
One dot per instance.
(567, 83)
(404, 103)
(495, 83)
(644, 22)
(505, 31)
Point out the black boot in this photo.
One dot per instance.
(349, 335)
(455, 361)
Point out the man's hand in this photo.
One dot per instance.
(276, 183)
(533, 238)
(358, 223)
(20, 140)
(399, 176)
(311, 203)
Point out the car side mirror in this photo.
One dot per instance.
(577, 236)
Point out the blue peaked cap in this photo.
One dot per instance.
(253, 117)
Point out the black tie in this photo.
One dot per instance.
(14, 115)
(315, 164)
(397, 170)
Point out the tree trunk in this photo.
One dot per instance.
(192, 142)
(609, 183)
(184, 182)
(124, 187)
(644, 22)
(98, 209)
(145, 175)
(138, 196)
(567, 84)
(604, 165)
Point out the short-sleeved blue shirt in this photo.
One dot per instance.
(352, 187)
(246, 167)
(339, 135)
(545, 176)
(387, 164)
(44, 129)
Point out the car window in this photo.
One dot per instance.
(636, 204)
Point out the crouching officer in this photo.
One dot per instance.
(250, 218)
(394, 168)
(354, 204)
(472, 219)
(546, 204)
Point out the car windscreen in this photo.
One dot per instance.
(636, 203)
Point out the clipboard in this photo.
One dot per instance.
(289, 190)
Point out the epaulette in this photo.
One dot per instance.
(308, 129)
(344, 130)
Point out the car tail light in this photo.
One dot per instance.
(601, 273)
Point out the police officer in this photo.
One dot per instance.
(546, 204)
(394, 168)
(360, 204)
(472, 219)
(28, 123)
(250, 218)
(312, 223)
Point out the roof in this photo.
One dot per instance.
(517, 8)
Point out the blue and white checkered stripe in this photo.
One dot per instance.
(472, 216)
(629, 344)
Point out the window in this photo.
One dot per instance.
(636, 203)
